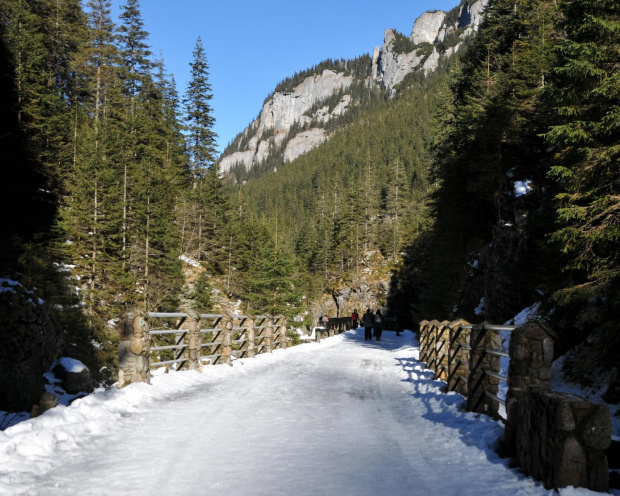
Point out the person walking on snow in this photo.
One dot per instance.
(355, 317)
(378, 321)
(368, 320)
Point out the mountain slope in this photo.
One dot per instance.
(305, 110)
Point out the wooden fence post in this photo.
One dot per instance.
(442, 341)
(251, 336)
(227, 325)
(283, 339)
(269, 335)
(432, 344)
(429, 344)
(135, 344)
(424, 326)
(480, 363)
(192, 340)
(458, 360)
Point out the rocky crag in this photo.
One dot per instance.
(296, 118)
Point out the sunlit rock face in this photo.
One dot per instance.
(303, 110)
(390, 67)
(283, 110)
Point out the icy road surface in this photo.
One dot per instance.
(343, 417)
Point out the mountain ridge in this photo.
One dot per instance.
(300, 114)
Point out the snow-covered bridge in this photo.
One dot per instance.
(339, 417)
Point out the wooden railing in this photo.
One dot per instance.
(335, 325)
(552, 436)
(467, 357)
(190, 340)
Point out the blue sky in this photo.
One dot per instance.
(252, 45)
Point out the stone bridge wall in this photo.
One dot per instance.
(560, 439)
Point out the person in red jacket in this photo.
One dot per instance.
(355, 319)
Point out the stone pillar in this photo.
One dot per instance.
(562, 439)
(192, 340)
(134, 347)
(269, 335)
(531, 357)
(251, 337)
(479, 383)
(442, 341)
(458, 358)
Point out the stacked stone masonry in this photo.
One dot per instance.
(558, 438)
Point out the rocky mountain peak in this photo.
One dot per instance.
(294, 119)
(396, 58)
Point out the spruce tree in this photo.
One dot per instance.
(585, 90)
(204, 205)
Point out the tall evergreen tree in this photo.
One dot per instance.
(205, 219)
(585, 88)
(199, 114)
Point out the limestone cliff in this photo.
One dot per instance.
(284, 110)
(296, 117)
(435, 34)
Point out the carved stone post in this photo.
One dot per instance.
(192, 340)
(135, 344)
(480, 382)
(251, 337)
(269, 335)
(531, 357)
(458, 359)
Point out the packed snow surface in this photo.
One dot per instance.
(343, 417)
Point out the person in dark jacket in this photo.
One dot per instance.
(378, 325)
(368, 322)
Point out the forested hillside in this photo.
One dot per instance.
(109, 174)
(535, 103)
(499, 189)
(361, 192)
(485, 187)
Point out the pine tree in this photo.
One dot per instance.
(199, 114)
(205, 205)
(271, 283)
(88, 218)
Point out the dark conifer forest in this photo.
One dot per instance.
(110, 175)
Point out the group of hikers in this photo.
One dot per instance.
(371, 322)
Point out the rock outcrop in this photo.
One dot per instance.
(303, 143)
(427, 27)
(285, 109)
(74, 376)
(28, 345)
(390, 66)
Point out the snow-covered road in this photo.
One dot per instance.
(343, 417)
